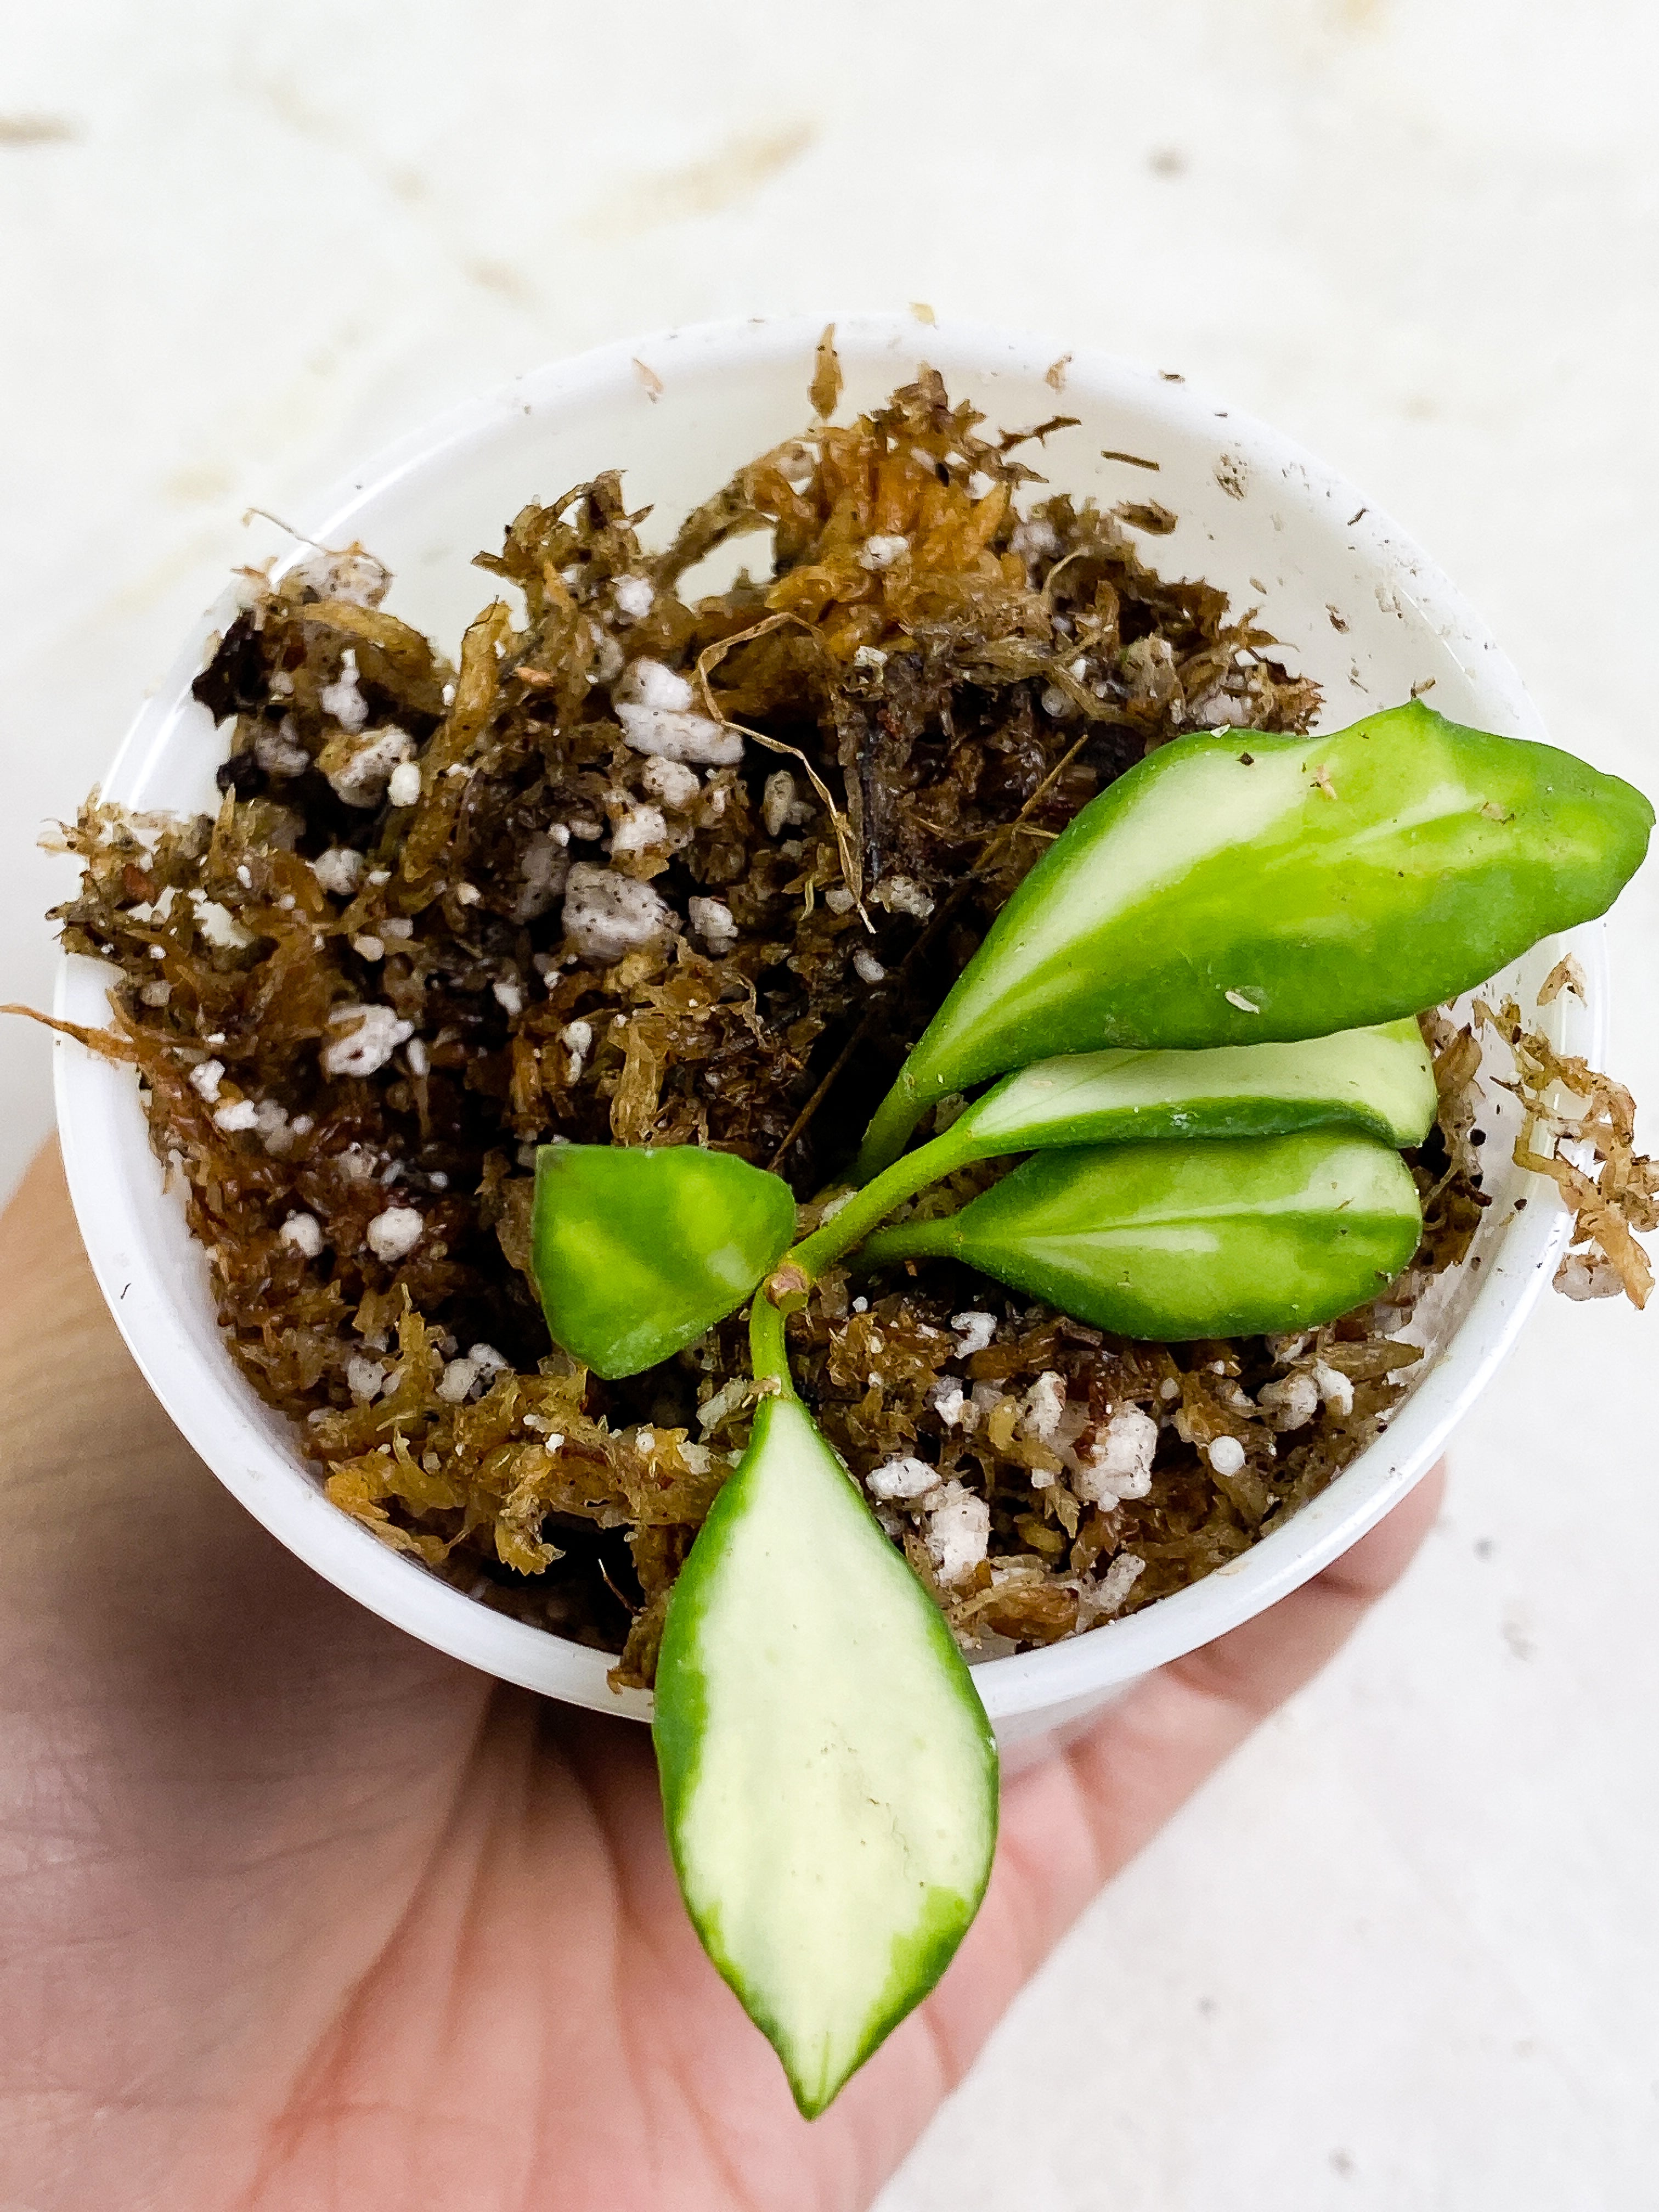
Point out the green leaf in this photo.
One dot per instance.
(636, 1253)
(1176, 1241)
(1381, 1081)
(830, 1779)
(1236, 889)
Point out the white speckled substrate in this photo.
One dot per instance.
(1405, 1952)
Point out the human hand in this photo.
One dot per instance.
(298, 1916)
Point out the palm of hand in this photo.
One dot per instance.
(302, 1915)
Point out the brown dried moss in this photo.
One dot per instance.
(1612, 1190)
(924, 688)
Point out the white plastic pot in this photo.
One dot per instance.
(1356, 605)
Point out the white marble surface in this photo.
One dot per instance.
(1404, 1952)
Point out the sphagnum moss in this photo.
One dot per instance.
(639, 871)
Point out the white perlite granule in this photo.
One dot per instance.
(958, 1531)
(577, 1038)
(606, 916)
(544, 870)
(366, 775)
(671, 783)
(1221, 709)
(236, 1114)
(1097, 1600)
(881, 552)
(303, 1232)
(217, 923)
(633, 596)
(339, 870)
(973, 1331)
(711, 920)
(205, 1080)
(951, 1405)
(366, 1036)
(725, 1400)
(393, 1235)
(1292, 1402)
(1225, 1454)
(277, 750)
(648, 683)
(1335, 1388)
(1043, 1406)
(462, 1376)
(639, 829)
(364, 1376)
(671, 735)
(1119, 1465)
(901, 895)
(903, 1478)
(776, 800)
(343, 698)
(403, 785)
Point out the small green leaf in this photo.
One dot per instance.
(1381, 1081)
(636, 1252)
(1176, 1241)
(830, 1779)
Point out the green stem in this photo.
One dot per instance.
(852, 1223)
(769, 1355)
(911, 1240)
(890, 1129)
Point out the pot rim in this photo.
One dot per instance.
(151, 1290)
